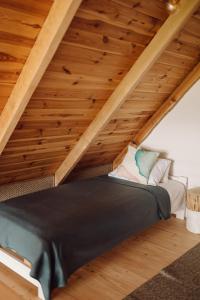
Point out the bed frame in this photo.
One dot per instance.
(20, 266)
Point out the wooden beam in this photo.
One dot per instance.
(49, 38)
(158, 44)
(174, 98)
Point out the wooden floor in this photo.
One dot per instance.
(118, 272)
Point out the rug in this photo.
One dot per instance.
(179, 281)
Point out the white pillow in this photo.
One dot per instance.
(128, 169)
(166, 175)
(160, 171)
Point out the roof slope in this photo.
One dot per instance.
(105, 38)
(20, 23)
(163, 78)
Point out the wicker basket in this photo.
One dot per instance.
(193, 210)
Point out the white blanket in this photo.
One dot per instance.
(177, 193)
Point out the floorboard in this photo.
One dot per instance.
(118, 272)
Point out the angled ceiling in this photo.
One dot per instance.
(20, 23)
(102, 43)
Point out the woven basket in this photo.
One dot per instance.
(193, 199)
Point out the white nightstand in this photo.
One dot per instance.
(193, 210)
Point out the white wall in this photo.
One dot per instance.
(178, 137)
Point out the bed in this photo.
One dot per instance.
(60, 229)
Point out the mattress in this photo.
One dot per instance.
(60, 229)
(177, 194)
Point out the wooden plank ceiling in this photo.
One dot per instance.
(103, 41)
(20, 23)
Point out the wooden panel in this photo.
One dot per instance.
(97, 51)
(152, 52)
(20, 23)
(165, 76)
(48, 40)
(104, 40)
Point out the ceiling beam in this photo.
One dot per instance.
(174, 98)
(157, 45)
(57, 22)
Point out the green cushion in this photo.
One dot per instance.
(145, 161)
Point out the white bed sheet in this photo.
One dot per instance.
(177, 193)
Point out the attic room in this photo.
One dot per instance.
(99, 149)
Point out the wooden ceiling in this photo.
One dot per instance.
(99, 48)
(20, 23)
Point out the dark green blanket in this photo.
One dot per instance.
(60, 229)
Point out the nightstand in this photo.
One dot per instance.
(193, 210)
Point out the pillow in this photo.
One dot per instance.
(166, 175)
(145, 160)
(128, 169)
(159, 172)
